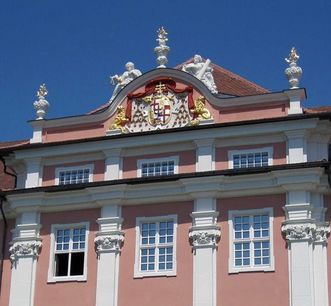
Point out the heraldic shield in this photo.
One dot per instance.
(160, 106)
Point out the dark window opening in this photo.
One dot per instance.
(61, 263)
(77, 264)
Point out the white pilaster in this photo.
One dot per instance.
(37, 136)
(295, 96)
(318, 147)
(108, 243)
(204, 235)
(113, 164)
(205, 152)
(306, 235)
(33, 172)
(24, 251)
(296, 146)
(320, 251)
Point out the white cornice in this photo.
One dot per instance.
(166, 72)
(309, 179)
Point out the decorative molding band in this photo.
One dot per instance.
(310, 232)
(204, 237)
(109, 242)
(24, 249)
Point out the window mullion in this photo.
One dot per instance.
(251, 234)
(69, 251)
(157, 242)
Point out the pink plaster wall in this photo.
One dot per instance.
(327, 204)
(241, 113)
(161, 291)
(73, 132)
(66, 293)
(279, 153)
(259, 288)
(186, 162)
(6, 275)
(98, 171)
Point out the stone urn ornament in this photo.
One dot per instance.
(41, 106)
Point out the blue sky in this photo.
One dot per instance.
(73, 46)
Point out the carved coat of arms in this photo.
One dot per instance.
(161, 106)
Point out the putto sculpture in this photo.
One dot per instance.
(202, 71)
(294, 72)
(122, 80)
(41, 106)
(162, 49)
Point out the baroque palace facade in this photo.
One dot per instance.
(192, 186)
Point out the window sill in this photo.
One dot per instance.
(60, 279)
(233, 270)
(154, 274)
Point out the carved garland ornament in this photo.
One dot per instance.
(204, 237)
(111, 242)
(21, 249)
(311, 232)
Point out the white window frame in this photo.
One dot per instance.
(269, 150)
(81, 167)
(140, 162)
(51, 267)
(250, 212)
(141, 274)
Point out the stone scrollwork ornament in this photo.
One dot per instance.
(294, 72)
(41, 106)
(202, 71)
(111, 242)
(204, 237)
(293, 232)
(22, 249)
(321, 234)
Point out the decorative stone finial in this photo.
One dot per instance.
(294, 72)
(162, 49)
(41, 106)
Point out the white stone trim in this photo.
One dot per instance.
(250, 212)
(269, 150)
(51, 277)
(90, 167)
(174, 158)
(141, 274)
(279, 181)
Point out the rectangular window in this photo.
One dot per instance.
(250, 158)
(158, 167)
(251, 239)
(156, 250)
(74, 175)
(69, 251)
